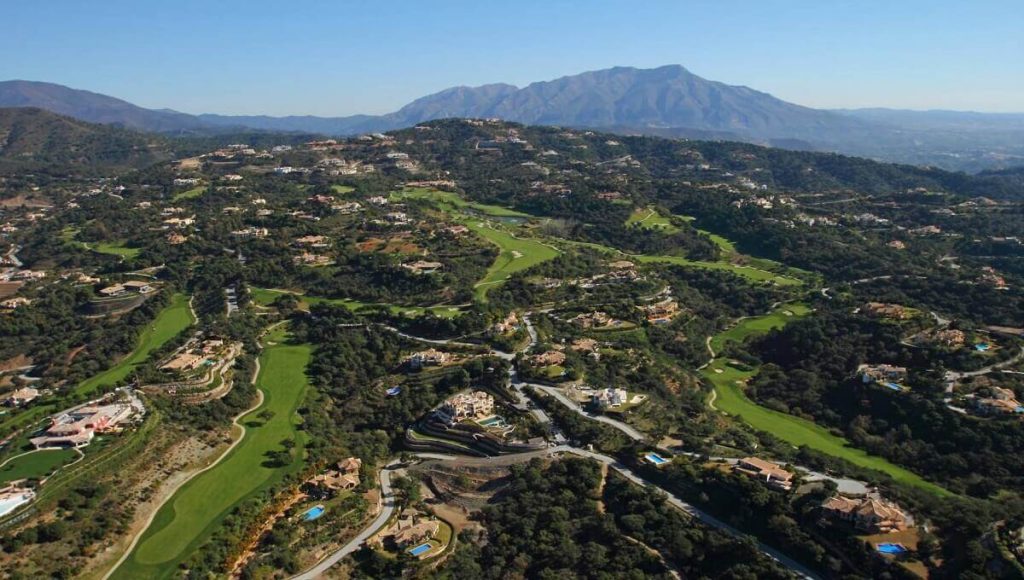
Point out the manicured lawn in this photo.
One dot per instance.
(266, 296)
(516, 255)
(173, 319)
(649, 218)
(37, 464)
(728, 382)
(190, 194)
(194, 512)
(342, 188)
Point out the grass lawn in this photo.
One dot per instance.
(169, 323)
(342, 188)
(266, 296)
(728, 380)
(190, 193)
(649, 218)
(37, 464)
(754, 274)
(200, 506)
(515, 255)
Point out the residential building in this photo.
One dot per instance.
(1001, 401)
(429, 357)
(869, 515)
(20, 397)
(609, 398)
(661, 312)
(770, 473)
(78, 426)
(345, 475)
(474, 405)
(882, 373)
(883, 310)
(549, 358)
(423, 267)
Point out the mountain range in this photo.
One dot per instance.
(668, 101)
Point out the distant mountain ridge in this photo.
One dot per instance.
(667, 101)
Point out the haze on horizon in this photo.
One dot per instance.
(333, 58)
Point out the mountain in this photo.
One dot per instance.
(93, 107)
(668, 101)
(34, 139)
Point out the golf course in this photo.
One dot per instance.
(192, 514)
(728, 381)
(266, 296)
(515, 255)
(173, 319)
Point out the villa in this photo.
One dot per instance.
(883, 310)
(510, 323)
(474, 405)
(592, 320)
(661, 312)
(609, 398)
(410, 529)
(78, 426)
(549, 358)
(770, 473)
(15, 303)
(882, 373)
(869, 515)
(1001, 402)
(423, 267)
(313, 241)
(429, 357)
(184, 362)
(345, 475)
(21, 397)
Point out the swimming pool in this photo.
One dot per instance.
(494, 421)
(11, 502)
(889, 548)
(420, 549)
(394, 391)
(894, 386)
(313, 513)
(655, 458)
(981, 347)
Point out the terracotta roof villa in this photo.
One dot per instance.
(77, 427)
(871, 515)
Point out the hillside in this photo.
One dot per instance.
(32, 139)
(92, 107)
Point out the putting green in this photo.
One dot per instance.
(196, 510)
(728, 382)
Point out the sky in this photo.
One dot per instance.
(347, 57)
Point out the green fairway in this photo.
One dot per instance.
(190, 194)
(754, 274)
(649, 218)
(173, 319)
(266, 296)
(37, 464)
(728, 382)
(69, 233)
(515, 255)
(194, 512)
(450, 201)
(342, 188)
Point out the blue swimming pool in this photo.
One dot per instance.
(655, 458)
(894, 386)
(981, 347)
(394, 391)
(313, 513)
(420, 549)
(889, 548)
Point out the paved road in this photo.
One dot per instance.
(560, 397)
(953, 376)
(387, 508)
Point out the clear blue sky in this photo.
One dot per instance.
(345, 57)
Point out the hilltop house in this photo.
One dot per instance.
(609, 398)
(345, 475)
(78, 426)
(882, 373)
(882, 310)
(1001, 402)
